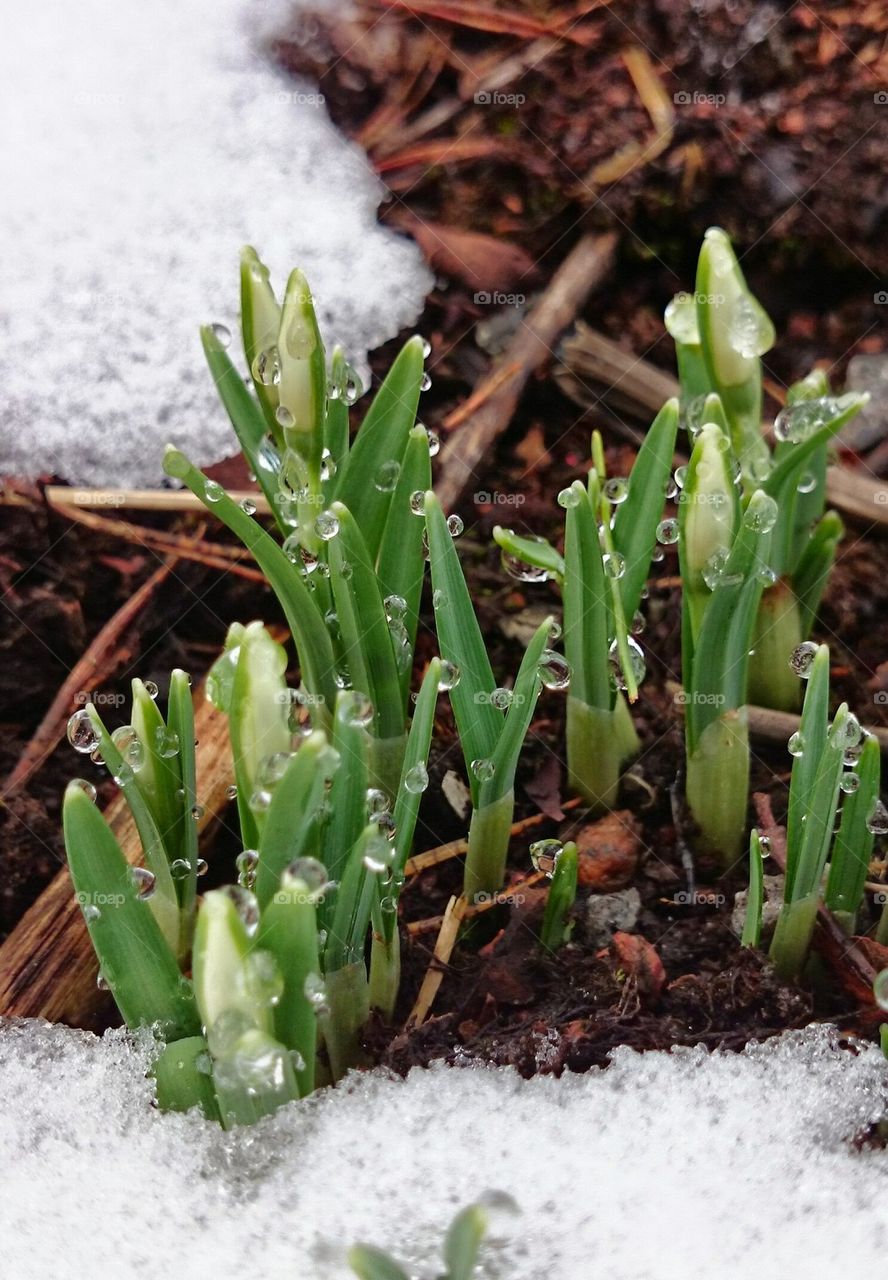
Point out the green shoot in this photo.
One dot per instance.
(460, 1251)
(752, 925)
(557, 928)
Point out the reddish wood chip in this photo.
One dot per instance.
(636, 957)
(608, 851)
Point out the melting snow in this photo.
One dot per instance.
(664, 1166)
(143, 144)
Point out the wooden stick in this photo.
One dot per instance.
(477, 908)
(453, 916)
(633, 381)
(48, 968)
(582, 270)
(444, 852)
(93, 667)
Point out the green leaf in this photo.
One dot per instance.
(586, 605)
(518, 717)
(752, 924)
(180, 710)
(463, 1242)
(222, 978)
(459, 636)
(159, 778)
(813, 729)
(296, 798)
(135, 959)
(814, 567)
(306, 624)
(358, 890)
(533, 551)
(258, 720)
(416, 755)
(336, 424)
(348, 794)
(853, 847)
(382, 439)
(183, 1078)
(370, 1263)
(260, 323)
(366, 640)
(637, 517)
(559, 903)
(302, 390)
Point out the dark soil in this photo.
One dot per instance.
(790, 163)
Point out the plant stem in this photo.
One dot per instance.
(792, 937)
(183, 1077)
(348, 1006)
(778, 631)
(386, 758)
(718, 783)
(594, 753)
(385, 972)
(489, 834)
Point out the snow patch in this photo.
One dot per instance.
(662, 1167)
(143, 145)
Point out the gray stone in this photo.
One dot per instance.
(608, 912)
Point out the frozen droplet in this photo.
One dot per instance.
(554, 670)
(680, 319)
(166, 742)
(327, 525)
(151, 688)
(386, 477)
(802, 658)
(439, 598)
(544, 855)
(614, 564)
(616, 489)
(246, 862)
(248, 506)
(880, 989)
(395, 607)
(796, 422)
(180, 868)
(449, 677)
(315, 991)
(483, 769)
(877, 819)
(569, 497)
(221, 333)
(416, 779)
(501, 699)
(796, 744)
(264, 980)
(213, 491)
(81, 732)
(667, 531)
(691, 414)
(750, 331)
(455, 526)
(417, 502)
(144, 881)
(266, 368)
(850, 782)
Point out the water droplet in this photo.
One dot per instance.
(315, 992)
(130, 746)
(197, 812)
(180, 868)
(328, 465)
(221, 333)
(680, 319)
(417, 502)
(849, 783)
(807, 482)
(248, 506)
(144, 880)
(761, 515)
(166, 741)
(616, 489)
(449, 677)
(750, 331)
(416, 779)
(202, 867)
(554, 670)
(86, 787)
(426, 348)
(439, 598)
(395, 607)
(231, 791)
(637, 664)
(877, 819)
(310, 875)
(766, 575)
(284, 417)
(91, 912)
(483, 769)
(667, 532)
(569, 497)
(353, 387)
(272, 768)
(151, 688)
(326, 525)
(638, 623)
(386, 477)
(681, 474)
(614, 564)
(101, 981)
(765, 846)
(796, 422)
(544, 855)
(434, 442)
(425, 382)
(213, 491)
(377, 802)
(880, 989)
(355, 708)
(245, 905)
(246, 863)
(714, 571)
(802, 658)
(455, 526)
(520, 570)
(81, 733)
(266, 368)
(796, 744)
(378, 852)
(308, 561)
(501, 699)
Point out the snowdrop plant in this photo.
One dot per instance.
(278, 961)
(721, 332)
(610, 534)
(347, 567)
(460, 1250)
(831, 761)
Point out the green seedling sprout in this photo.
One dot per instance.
(557, 926)
(611, 527)
(460, 1251)
(720, 334)
(752, 924)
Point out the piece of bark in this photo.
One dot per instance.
(48, 968)
(608, 851)
(532, 347)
